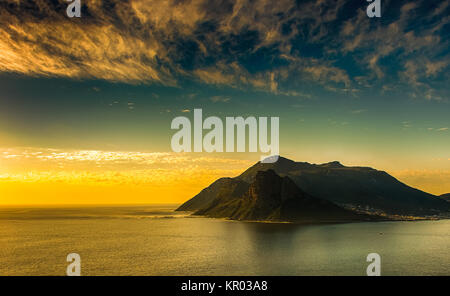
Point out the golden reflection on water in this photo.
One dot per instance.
(153, 240)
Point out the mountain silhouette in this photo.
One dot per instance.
(358, 188)
(445, 196)
(270, 197)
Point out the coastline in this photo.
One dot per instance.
(191, 214)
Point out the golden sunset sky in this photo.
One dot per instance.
(86, 103)
(53, 176)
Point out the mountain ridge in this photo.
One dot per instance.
(445, 196)
(273, 198)
(358, 188)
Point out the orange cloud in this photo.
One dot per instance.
(33, 175)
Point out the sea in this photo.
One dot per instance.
(156, 240)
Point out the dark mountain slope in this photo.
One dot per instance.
(222, 188)
(355, 187)
(362, 187)
(273, 198)
(445, 196)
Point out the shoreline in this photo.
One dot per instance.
(382, 219)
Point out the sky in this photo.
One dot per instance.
(86, 103)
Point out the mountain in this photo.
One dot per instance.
(445, 196)
(270, 197)
(361, 188)
(222, 188)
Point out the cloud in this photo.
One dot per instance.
(433, 68)
(112, 167)
(222, 99)
(274, 46)
(326, 73)
(358, 111)
(212, 75)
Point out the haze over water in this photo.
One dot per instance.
(154, 240)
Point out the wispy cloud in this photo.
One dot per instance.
(216, 99)
(112, 167)
(419, 52)
(358, 111)
(275, 46)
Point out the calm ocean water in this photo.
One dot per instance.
(153, 240)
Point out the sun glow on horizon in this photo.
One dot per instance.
(52, 176)
(55, 176)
